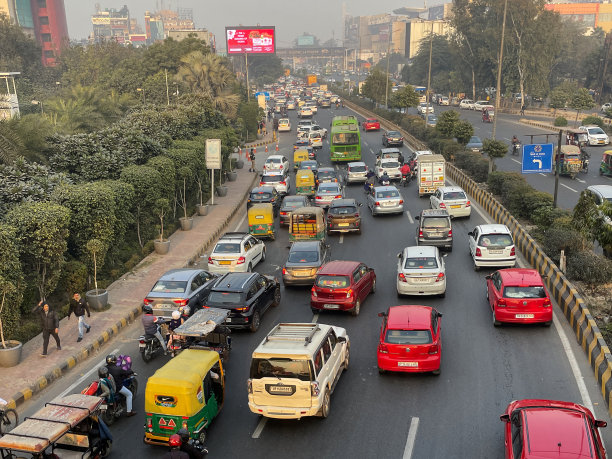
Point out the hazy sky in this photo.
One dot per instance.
(291, 17)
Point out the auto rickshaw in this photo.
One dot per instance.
(305, 182)
(205, 329)
(186, 392)
(307, 224)
(605, 168)
(576, 137)
(261, 220)
(68, 427)
(299, 156)
(570, 161)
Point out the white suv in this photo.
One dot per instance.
(276, 163)
(236, 252)
(595, 135)
(295, 370)
(391, 166)
(492, 245)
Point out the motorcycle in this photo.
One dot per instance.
(149, 346)
(384, 182)
(110, 411)
(516, 147)
(405, 180)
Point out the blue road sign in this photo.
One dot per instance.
(265, 93)
(537, 158)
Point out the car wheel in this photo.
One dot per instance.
(355, 311)
(443, 294)
(277, 297)
(250, 268)
(436, 372)
(496, 323)
(381, 371)
(476, 267)
(347, 357)
(326, 405)
(202, 436)
(314, 310)
(263, 254)
(255, 322)
(373, 286)
(547, 324)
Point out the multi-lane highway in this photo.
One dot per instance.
(454, 415)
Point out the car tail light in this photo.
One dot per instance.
(241, 309)
(182, 302)
(314, 292)
(281, 166)
(210, 260)
(512, 252)
(501, 302)
(440, 277)
(442, 205)
(249, 386)
(450, 233)
(433, 349)
(401, 201)
(283, 183)
(149, 423)
(402, 277)
(338, 197)
(147, 301)
(377, 203)
(284, 271)
(283, 213)
(314, 388)
(349, 293)
(546, 303)
(142, 341)
(382, 348)
(318, 197)
(261, 183)
(468, 204)
(478, 252)
(240, 261)
(420, 233)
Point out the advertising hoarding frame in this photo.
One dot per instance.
(252, 28)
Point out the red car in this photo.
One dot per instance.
(546, 428)
(410, 340)
(342, 286)
(518, 295)
(371, 124)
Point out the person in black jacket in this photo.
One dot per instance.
(120, 375)
(79, 307)
(50, 325)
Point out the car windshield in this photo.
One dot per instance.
(452, 195)
(408, 337)
(271, 178)
(330, 281)
(302, 256)
(280, 368)
(497, 240)
(421, 263)
(389, 165)
(167, 286)
(393, 134)
(387, 194)
(344, 210)
(596, 130)
(357, 169)
(260, 196)
(525, 292)
(326, 174)
(220, 298)
(436, 222)
(474, 139)
(328, 189)
(273, 160)
(294, 204)
(227, 247)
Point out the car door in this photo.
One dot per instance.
(249, 252)
(195, 286)
(495, 289)
(472, 238)
(207, 281)
(324, 252)
(435, 199)
(367, 277)
(257, 249)
(264, 293)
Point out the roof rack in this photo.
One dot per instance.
(293, 332)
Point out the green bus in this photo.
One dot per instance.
(345, 139)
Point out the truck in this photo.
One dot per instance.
(311, 79)
(430, 173)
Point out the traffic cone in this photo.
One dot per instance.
(266, 148)
(254, 149)
(276, 147)
(240, 152)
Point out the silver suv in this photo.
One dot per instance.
(434, 229)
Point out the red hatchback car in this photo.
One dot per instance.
(371, 124)
(547, 428)
(343, 286)
(518, 295)
(410, 340)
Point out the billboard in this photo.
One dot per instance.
(254, 40)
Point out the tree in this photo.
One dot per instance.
(162, 207)
(494, 149)
(11, 282)
(447, 123)
(405, 97)
(144, 179)
(581, 100)
(560, 96)
(463, 132)
(95, 248)
(375, 86)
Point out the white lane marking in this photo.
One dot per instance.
(87, 375)
(315, 318)
(409, 216)
(581, 181)
(543, 175)
(240, 223)
(506, 138)
(260, 427)
(341, 238)
(516, 161)
(569, 188)
(371, 151)
(412, 431)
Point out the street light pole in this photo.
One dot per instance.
(499, 71)
(246, 64)
(556, 157)
(430, 54)
(167, 88)
(388, 56)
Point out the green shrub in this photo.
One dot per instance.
(450, 149)
(74, 277)
(535, 200)
(473, 164)
(560, 121)
(593, 120)
(546, 216)
(590, 268)
(555, 239)
(500, 181)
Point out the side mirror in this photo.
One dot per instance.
(418, 217)
(504, 418)
(599, 423)
(470, 233)
(341, 339)
(445, 255)
(359, 204)
(382, 314)
(488, 276)
(399, 255)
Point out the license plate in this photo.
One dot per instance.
(421, 279)
(301, 273)
(524, 316)
(142, 345)
(408, 364)
(228, 321)
(343, 225)
(225, 262)
(458, 206)
(331, 306)
(496, 252)
(103, 407)
(388, 204)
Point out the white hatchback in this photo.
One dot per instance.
(284, 125)
(276, 163)
(492, 246)
(453, 199)
(421, 271)
(467, 104)
(390, 166)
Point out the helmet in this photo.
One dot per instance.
(147, 309)
(103, 372)
(111, 359)
(186, 310)
(175, 440)
(176, 315)
(184, 434)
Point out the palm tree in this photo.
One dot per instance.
(11, 144)
(207, 74)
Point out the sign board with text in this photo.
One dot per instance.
(252, 40)
(537, 158)
(213, 153)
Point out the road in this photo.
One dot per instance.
(454, 415)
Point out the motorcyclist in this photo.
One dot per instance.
(369, 183)
(186, 447)
(149, 323)
(120, 376)
(176, 321)
(384, 179)
(405, 171)
(175, 452)
(515, 144)
(106, 386)
(185, 313)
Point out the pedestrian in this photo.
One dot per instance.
(50, 325)
(523, 110)
(263, 127)
(275, 124)
(252, 158)
(79, 307)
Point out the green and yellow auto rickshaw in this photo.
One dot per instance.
(307, 224)
(605, 168)
(305, 182)
(570, 161)
(186, 392)
(261, 220)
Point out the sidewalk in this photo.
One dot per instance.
(34, 373)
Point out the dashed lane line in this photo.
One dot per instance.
(412, 432)
(341, 239)
(86, 375)
(569, 188)
(409, 216)
(260, 427)
(516, 161)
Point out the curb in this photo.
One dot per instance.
(258, 144)
(21, 396)
(543, 125)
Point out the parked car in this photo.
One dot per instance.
(434, 228)
(247, 295)
(453, 199)
(518, 295)
(289, 204)
(492, 246)
(343, 216)
(238, 252)
(410, 340)
(342, 286)
(178, 288)
(385, 200)
(421, 271)
(304, 260)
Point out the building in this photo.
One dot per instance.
(19, 11)
(111, 24)
(201, 34)
(9, 104)
(154, 28)
(590, 15)
(177, 20)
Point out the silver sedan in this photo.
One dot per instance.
(327, 192)
(385, 200)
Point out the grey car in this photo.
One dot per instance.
(304, 260)
(434, 228)
(356, 172)
(327, 192)
(385, 200)
(289, 204)
(177, 288)
(475, 144)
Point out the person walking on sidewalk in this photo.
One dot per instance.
(252, 158)
(50, 325)
(79, 307)
(523, 110)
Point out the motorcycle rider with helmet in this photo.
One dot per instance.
(106, 386)
(384, 179)
(149, 323)
(175, 452)
(120, 375)
(194, 453)
(515, 144)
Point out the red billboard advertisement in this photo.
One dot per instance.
(255, 40)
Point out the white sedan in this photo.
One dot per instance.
(480, 104)
(453, 199)
(421, 271)
(467, 104)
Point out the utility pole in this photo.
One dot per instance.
(556, 157)
(499, 71)
(430, 54)
(388, 56)
(246, 64)
(167, 88)
(605, 63)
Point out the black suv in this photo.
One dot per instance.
(435, 229)
(264, 194)
(246, 295)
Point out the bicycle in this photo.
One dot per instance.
(8, 418)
